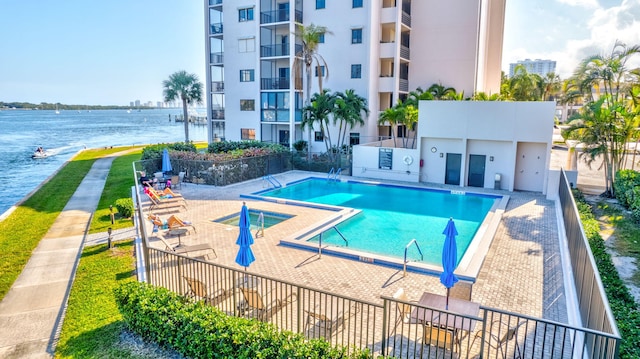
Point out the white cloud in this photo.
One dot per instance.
(581, 3)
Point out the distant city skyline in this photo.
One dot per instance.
(113, 52)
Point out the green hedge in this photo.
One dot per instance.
(197, 330)
(623, 305)
(230, 146)
(125, 207)
(155, 151)
(627, 189)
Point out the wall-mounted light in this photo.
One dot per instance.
(490, 158)
(434, 149)
(441, 154)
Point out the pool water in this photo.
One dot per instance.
(270, 219)
(391, 216)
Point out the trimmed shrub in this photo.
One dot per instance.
(125, 207)
(627, 189)
(155, 151)
(231, 146)
(198, 330)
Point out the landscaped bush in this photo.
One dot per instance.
(125, 207)
(197, 330)
(627, 189)
(230, 146)
(155, 151)
(623, 305)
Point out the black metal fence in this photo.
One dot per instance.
(592, 299)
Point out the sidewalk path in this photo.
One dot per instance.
(32, 312)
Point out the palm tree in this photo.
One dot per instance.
(350, 111)
(524, 86)
(186, 87)
(318, 112)
(308, 55)
(550, 86)
(440, 92)
(392, 116)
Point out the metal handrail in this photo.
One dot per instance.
(332, 171)
(406, 248)
(320, 240)
(274, 182)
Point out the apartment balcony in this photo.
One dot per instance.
(217, 114)
(274, 50)
(269, 17)
(387, 49)
(406, 19)
(217, 86)
(275, 115)
(404, 85)
(216, 58)
(277, 83)
(215, 2)
(405, 53)
(215, 29)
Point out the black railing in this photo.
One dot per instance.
(267, 17)
(405, 53)
(215, 2)
(404, 85)
(274, 50)
(217, 86)
(217, 114)
(277, 83)
(216, 57)
(406, 19)
(216, 28)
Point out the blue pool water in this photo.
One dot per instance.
(394, 215)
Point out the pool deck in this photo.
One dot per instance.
(521, 273)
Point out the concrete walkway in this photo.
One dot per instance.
(31, 313)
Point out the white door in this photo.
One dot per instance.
(530, 162)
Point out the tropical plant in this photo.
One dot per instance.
(610, 119)
(393, 116)
(550, 86)
(186, 87)
(318, 112)
(524, 86)
(350, 111)
(308, 56)
(441, 92)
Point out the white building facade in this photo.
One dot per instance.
(540, 67)
(382, 49)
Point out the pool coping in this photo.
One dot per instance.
(468, 268)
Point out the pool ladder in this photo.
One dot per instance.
(346, 242)
(272, 181)
(406, 248)
(334, 174)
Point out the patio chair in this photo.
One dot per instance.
(403, 311)
(189, 250)
(499, 335)
(157, 203)
(174, 222)
(441, 337)
(260, 307)
(319, 325)
(197, 289)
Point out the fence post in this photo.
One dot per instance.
(385, 319)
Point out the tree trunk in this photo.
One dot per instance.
(186, 120)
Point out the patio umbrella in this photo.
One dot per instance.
(245, 240)
(166, 163)
(449, 258)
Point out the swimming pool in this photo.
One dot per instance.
(270, 219)
(391, 216)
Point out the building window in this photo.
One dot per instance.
(354, 138)
(321, 70)
(247, 76)
(356, 3)
(245, 14)
(275, 106)
(247, 45)
(356, 36)
(320, 4)
(356, 71)
(318, 136)
(247, 105)
(321, 38)
(247, 134)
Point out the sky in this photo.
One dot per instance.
(118, 51)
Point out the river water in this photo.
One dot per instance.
(63, 135)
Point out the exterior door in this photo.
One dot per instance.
(476, 170)
(283, 137)
(452, 172)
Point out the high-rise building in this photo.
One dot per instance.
(382, 49)
(540, 67)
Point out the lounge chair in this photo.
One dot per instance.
(319, 325)
(197, 289)
(499, 336)
(188, 250)
(260, 307)
(157, 203)
(174, 222)
(166, 193)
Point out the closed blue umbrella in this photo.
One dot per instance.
(245, 239)
(166, 162)
(449, 258)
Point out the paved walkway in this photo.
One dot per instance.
(31, 313)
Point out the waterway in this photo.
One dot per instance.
(62, 135)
